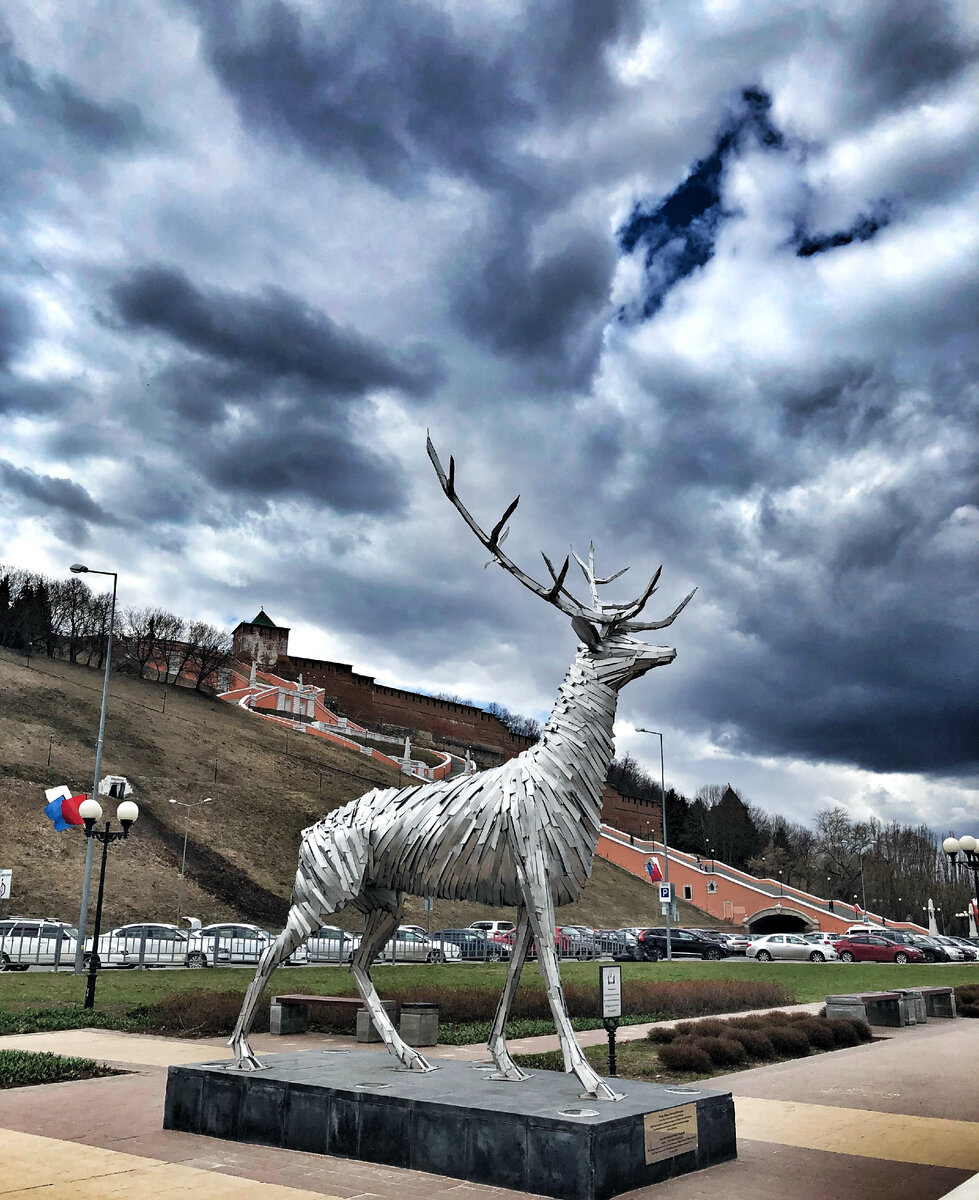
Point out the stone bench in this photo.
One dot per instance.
(906, 1006)
(290, 1014)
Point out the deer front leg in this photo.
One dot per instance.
(380, 926)
(276, 952)
(506, 1068)
(540, 906)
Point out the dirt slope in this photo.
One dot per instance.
(241, 853)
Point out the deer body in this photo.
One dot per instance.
(522, 834)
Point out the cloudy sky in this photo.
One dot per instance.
(698, 280)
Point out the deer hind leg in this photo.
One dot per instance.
(540, 907)
(506, 1068)
(294, 934)
(381, 924)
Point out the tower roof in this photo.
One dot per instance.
(264, 619)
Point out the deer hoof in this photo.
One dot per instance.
(510, 1074)
(601, 1091)
(417, 1063)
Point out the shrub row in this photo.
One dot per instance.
(210, 1014)
(967, 1000)
(23, 1068)
(701, 1046)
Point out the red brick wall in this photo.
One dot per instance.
(643, 818)
(372, 704)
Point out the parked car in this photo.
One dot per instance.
(331, 945)
(36, 941)
(789, 947)
(737, 943)
(951, 945)
(226, 945)
(932, 949)
(409, 946)
(474, 945)
(495, 929)
(577, 941)
(865, 947)
(149, 945)
(627, 946)
(971, 948)
(682, 942)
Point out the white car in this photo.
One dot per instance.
(149, 945)
(494, 929)
(331, 945)
(222, 945)
(410, 946)
(790, 947)
(36, 942)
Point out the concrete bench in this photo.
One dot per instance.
(939, 1001)
(290, 1014)
(876, 1008)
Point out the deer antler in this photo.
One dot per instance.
(620, 615)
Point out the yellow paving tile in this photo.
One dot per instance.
(928, 1141)
(43, 1168)
(117, 1047)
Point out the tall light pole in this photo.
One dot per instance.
(91, 811)
(666, 846)
(863, 876)
(183, 862)
(78, 569)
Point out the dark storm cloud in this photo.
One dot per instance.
(904, 48)
(66, 503)
(60, 105)
(548, 314)
(275, 335)
(678, 233)
(398, 90)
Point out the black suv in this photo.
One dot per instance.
(652, 944)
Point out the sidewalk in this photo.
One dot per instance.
(896, 1119)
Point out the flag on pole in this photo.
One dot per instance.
(856, 909)
(653, 870)
(62, 807)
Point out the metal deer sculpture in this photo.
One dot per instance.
(522, 834)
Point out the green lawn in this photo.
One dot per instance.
(808, 982)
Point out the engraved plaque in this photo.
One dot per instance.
(670, 1132)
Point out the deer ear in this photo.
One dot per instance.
(586, 632)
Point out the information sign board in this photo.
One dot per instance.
(5, 885)
(611, 984)
(670, 1132)
(666, 893)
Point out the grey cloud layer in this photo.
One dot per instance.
(782, 422)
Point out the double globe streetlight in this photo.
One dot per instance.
(90, 812)
(968, 846)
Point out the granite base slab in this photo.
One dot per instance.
(537, 1136)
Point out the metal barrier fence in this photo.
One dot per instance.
(46, 944)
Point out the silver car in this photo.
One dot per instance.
(144, 945)
(227, 945)
(410, 946)
(332, 945)
(789, 947)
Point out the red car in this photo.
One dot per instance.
(864, 947)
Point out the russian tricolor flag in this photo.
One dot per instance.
(653, 870)
(62, 807)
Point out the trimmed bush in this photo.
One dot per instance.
(864, 1032)
(755, 1043)
(790, 1041)
(684, 1055)
(967, 1000)
(722, 1051)
(662, 1034)
(709, 1028)
(844, 1031)
(818, 1033)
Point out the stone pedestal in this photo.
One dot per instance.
(538, 1136)
(419, 1023)
(366, 1029)
(287, 1018)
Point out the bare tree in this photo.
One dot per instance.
(211, 650)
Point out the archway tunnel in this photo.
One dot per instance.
(779, 920)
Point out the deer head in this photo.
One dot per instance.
(603, 629)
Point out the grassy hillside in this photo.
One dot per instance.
(241, 854)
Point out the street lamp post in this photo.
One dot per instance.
(863, 876)
(79, 569)
(666, 845)
(183, 861)
(91, 811)
(967, 846)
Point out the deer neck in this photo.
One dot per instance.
(576, 746)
